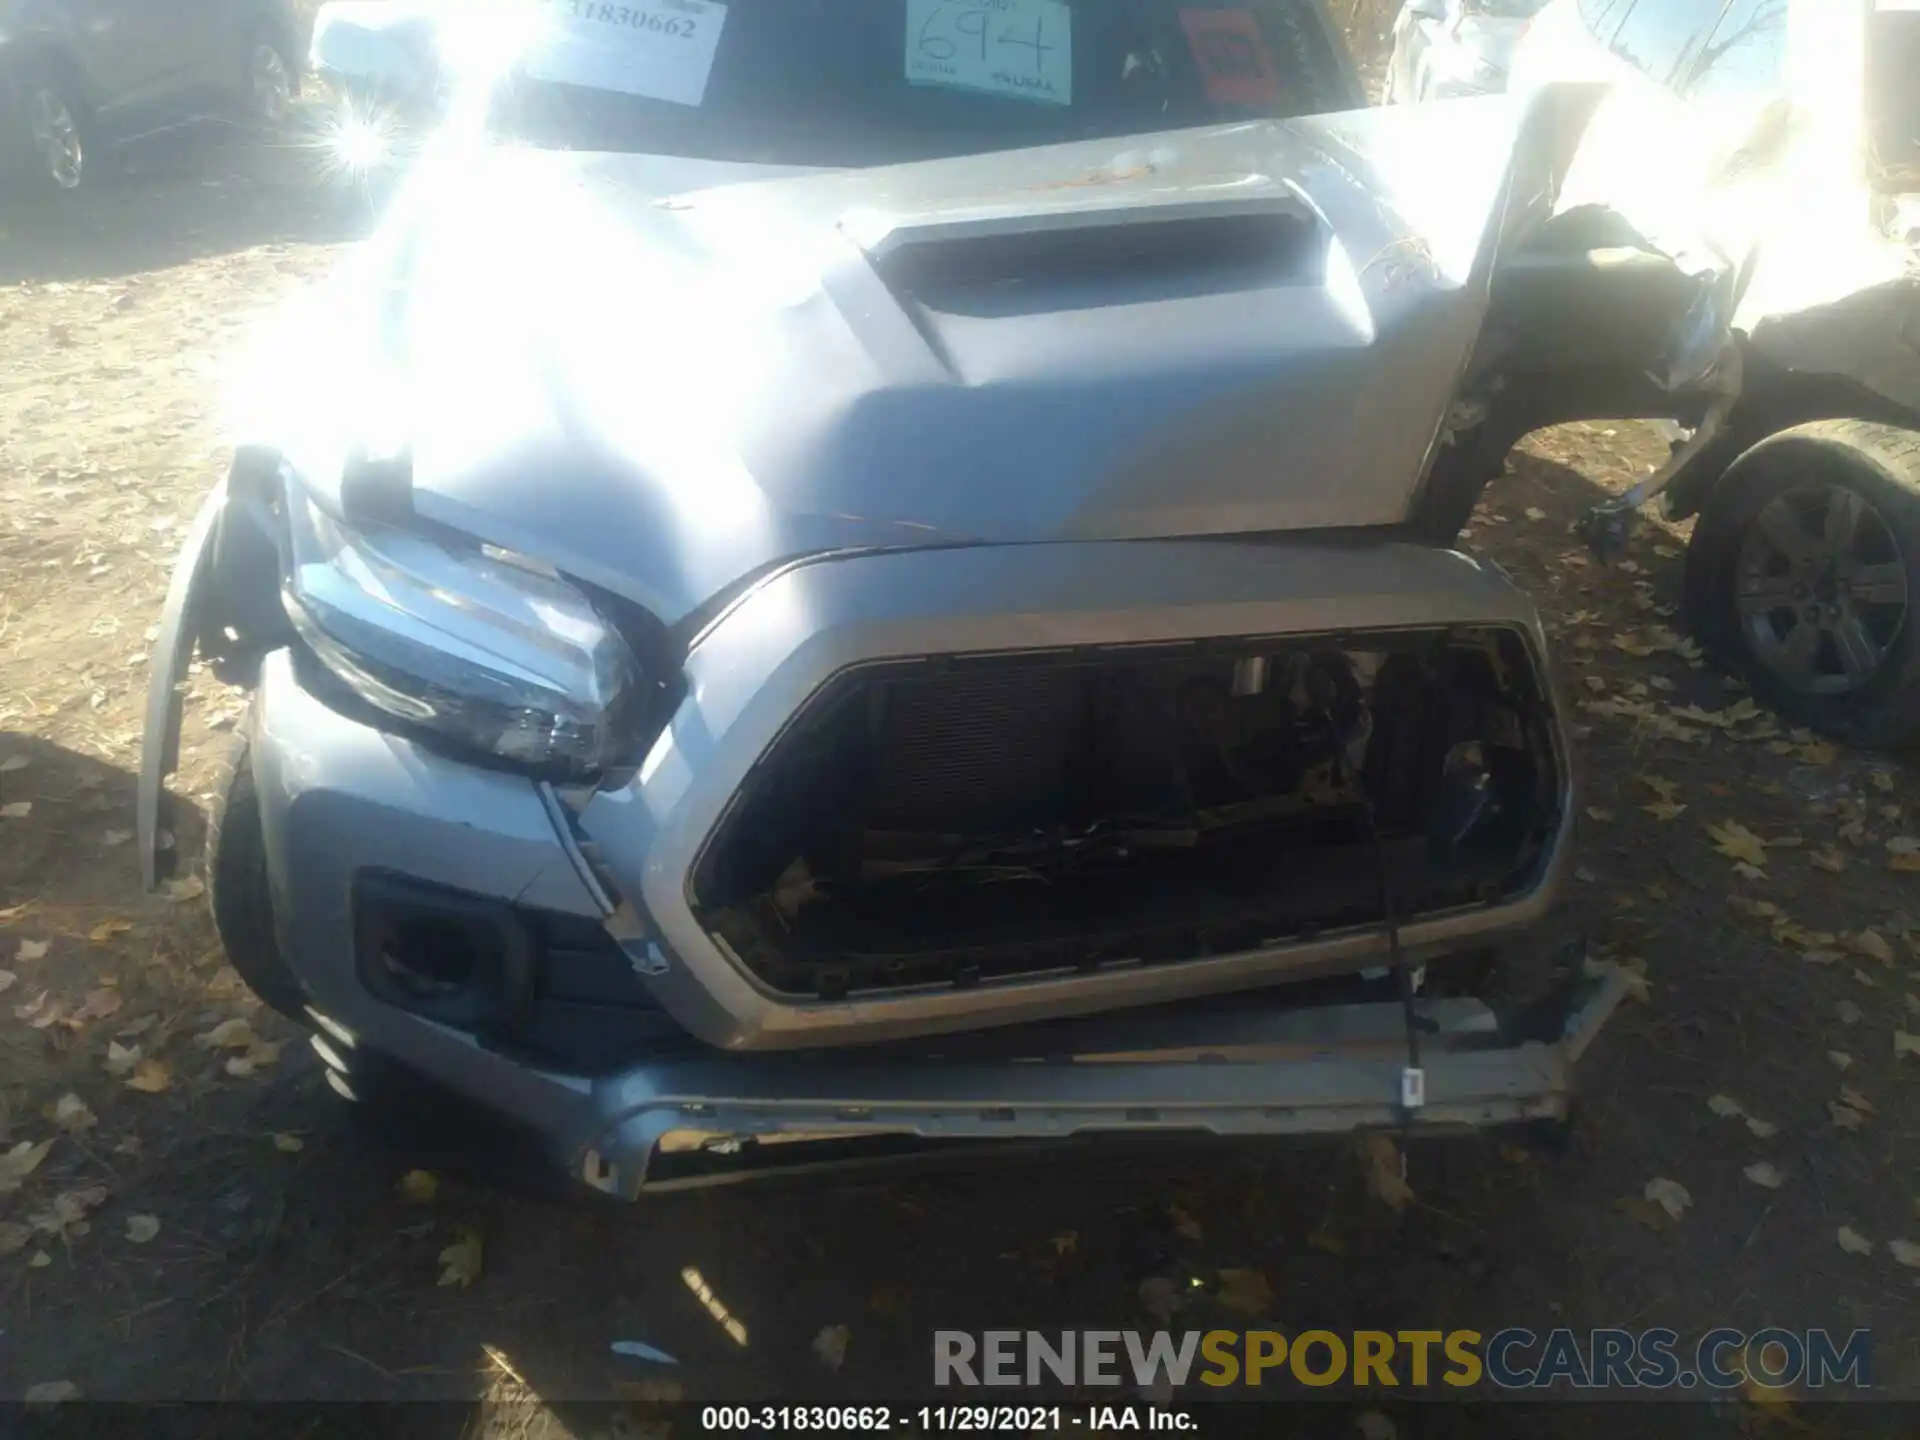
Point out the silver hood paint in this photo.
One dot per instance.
(661, 397)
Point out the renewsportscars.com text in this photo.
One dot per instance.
(1512, 1359)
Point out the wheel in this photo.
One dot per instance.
(238, 889)
(269, 83)
(1800, 571)
(56, 125)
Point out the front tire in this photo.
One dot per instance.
(1801, 573)
(239, 890)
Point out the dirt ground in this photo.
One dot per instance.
(204, 1224)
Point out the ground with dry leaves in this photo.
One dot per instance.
(183, 1212)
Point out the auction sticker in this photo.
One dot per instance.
(1001, 47)
(1234, 64)
(660, 49)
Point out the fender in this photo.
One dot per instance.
(222, 602)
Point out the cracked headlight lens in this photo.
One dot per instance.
(489, 649)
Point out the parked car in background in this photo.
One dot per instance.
(1778, 139)
(80, 77)
(1444, 49)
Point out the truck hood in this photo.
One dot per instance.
(662, 376)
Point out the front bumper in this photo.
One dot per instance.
(1048, 1057)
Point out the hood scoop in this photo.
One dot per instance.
(1104, 255)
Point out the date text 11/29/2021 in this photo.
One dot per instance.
(982, 1419)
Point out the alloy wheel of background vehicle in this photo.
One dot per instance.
(59, 144)
(1801, 571)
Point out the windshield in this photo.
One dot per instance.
(856, 82)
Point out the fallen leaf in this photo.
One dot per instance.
(68, 1213)
(21, 1161)
(13, 763)
(1643, 1212)
(1871, 944)
(1598, 815)
(98, 1005)
(1841, 1059)
(52, 1392)
(234, 1034)
(150, 1076)
(1533, 512)
(1749, 872)
(31, 950)
(1828, 859)
(1855, 1100)
(1246, 1291)
(1903, 845)
(107, 929)
(1724, 1106)
(1905, 1252)
(1853, 1242)
(1386, 1173)
(1184, 1225)
(262, 1054)
(137, 1027)
(1905, 1044)
(14, 1237)
(1595, 684)
(39, 1260)
(288, 1144)
(1670, 1195)
(1159, 1297)
(1818, 752)
(1736, 842)
(1845, 1117)
(1907, 864)
(184, 887)
(1764, 1175)
(1665, 811)
(71, 1113)
(831, 1345)
(1664, 788)
(1323, 1241)
(460, 1261)
(142, 1228)
(1762, 1129)
(121, 1058)
(1067, 1242)
(16, 810)
(1849, 1013)
(419, 1187)
(1882, 781)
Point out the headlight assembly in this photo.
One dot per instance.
(488, 649)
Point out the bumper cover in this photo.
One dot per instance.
(1272, 1071)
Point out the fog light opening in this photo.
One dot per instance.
(427, 958)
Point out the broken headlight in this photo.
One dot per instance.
(483, 647)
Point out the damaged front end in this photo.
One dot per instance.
(1152, 790)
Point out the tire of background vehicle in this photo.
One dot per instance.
(238, 889)
(1880, 464)
(44, 91)
(269, 103)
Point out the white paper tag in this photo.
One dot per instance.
(1002, 47)
(661, 49)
